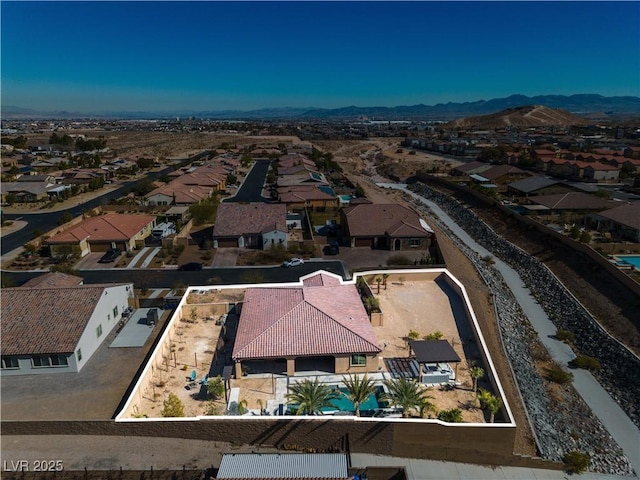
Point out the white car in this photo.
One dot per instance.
(294, 262)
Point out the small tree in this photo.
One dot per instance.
(173, 407)
(378, 280)
(413, 335)
(215, 387)
(476, 374)
(493, 404)
(385, 276)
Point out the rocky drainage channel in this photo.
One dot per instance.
(560, 426)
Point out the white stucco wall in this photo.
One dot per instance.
(116, 296)
(275, 238)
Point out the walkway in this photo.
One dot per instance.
(617, 423)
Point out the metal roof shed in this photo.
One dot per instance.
(284, 465)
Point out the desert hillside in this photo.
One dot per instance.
(527, 116)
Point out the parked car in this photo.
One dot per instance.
(294, 262)
(110, 255)
(334, 247)
(190, 267)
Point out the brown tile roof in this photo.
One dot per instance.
(498, 171)
(46, 320)
(573, 201)
(628, 215)
(53, 279)
(303, 321)
(235, 219)
(384, 219)
(301, 193)
(113, 226)
(183, 194)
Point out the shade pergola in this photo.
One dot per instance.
(433, 351)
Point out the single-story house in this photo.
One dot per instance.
(27, 191)
(254, 225)
(321, 324)
(572, 201)
(301, 196)
(100, 233)
(536, 185)
(622, 221)
(385, 226)
(52, 329)
(178, 194)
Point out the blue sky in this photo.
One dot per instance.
(158, 56)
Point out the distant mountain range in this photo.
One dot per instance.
(528, 116)
(586, 105)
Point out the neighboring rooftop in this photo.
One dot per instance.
(234, 219)
(112, 226)
(378, 219)
(53, 279)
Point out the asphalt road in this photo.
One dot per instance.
(251, 189)
(156, 278)
(46, 221)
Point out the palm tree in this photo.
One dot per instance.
(476, 373)
(385, 276)
(425, 405)
(378, 280)
(359, 388)
(406, 394)
(310, 396)
(493, 404)
(483, 397)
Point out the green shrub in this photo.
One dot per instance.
(565, 335)
(556, 374)
(585, 362)
(453, 415)
(576, 462)
(437, 335)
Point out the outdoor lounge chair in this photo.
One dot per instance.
(193, 376)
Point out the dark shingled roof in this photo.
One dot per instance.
(433, 351)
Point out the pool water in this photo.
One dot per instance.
(630, 259)
(344, 404)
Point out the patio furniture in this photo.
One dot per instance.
(204, 380)
(193, 376)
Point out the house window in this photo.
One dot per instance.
(79, 354)
(10, 363)
(414, 242)
(59, 361)
(358, 360)
(99, 331)
(40, 361)
(49, 361)
(115, 311)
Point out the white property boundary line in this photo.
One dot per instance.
(511, 423)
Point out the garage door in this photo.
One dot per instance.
(363, 242)
(227, 243)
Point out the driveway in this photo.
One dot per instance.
(226, 257)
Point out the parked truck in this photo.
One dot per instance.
(162, 230)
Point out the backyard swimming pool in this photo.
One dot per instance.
(628, 259)
(342, 403)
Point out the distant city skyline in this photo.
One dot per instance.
(160, 56)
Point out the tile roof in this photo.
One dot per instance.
(532, 184)
(303, 321)
(573, 201)
(628, 215)
(53, 279)
(498, 171)
(182, 194)
(384, 219)
(46, 320)
(109, 227)
(235, 219)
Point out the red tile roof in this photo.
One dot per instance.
(46, 320)
(311, 320)
(113, 227)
